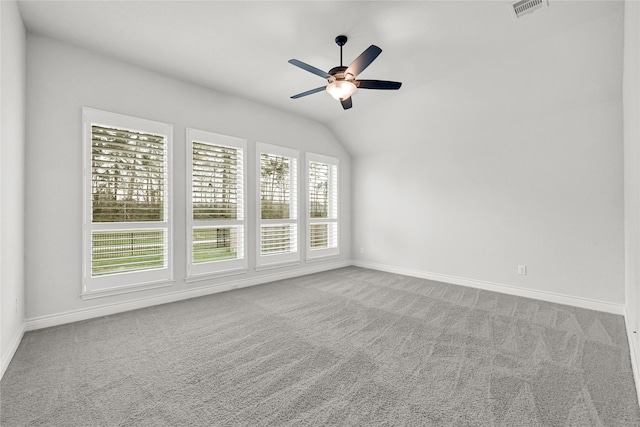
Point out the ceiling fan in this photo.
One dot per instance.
(342, 80)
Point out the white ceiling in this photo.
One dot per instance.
(242, 48)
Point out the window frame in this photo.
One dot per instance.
(282, 259)
(124, 282)
(334, 206)
(212, 269)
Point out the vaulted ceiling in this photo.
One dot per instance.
(242, 48)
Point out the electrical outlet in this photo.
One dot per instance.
(522, 269)
(361, 250)
(16, 305)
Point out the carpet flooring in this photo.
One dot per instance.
(349, 347)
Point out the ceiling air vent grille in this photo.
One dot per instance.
(525, 7)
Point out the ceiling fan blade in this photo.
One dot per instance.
(377, 84)
(309, 68)
(346, 103)
(364, 60)
(309, 92)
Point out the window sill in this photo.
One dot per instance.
(125, 289)
(320, 258)
(207, 276)
(277, 265)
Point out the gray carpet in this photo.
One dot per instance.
(346, 347)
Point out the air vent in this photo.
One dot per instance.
(525, 7)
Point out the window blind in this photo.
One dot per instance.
(277, 239)
(322, 187)
(127, 186)
(128, 175)
(323, 235)
(275, 182)
(216, 244)
(318, 190)
(127, 250)
(278, 200)
(216, 212)
(128, 181)
(215, 182)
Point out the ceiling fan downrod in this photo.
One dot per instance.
(341, 41)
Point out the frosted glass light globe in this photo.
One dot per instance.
(341, 89)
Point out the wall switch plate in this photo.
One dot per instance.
(522, 269)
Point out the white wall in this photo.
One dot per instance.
(61, 79)
(517, 160)
(12, 180)
(631, 105)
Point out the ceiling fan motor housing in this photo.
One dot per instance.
(339, 73)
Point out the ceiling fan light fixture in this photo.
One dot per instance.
(341, 89)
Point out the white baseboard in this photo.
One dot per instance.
(13, 346)
(498, 287)
(108, 309)
(633, 353)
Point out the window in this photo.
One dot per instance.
(322, 196)
(278, 204)
(127, 213)
(215, 221)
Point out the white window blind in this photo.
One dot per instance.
(127, 226)
(322, 196)
(278, 205)
(216, 226)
